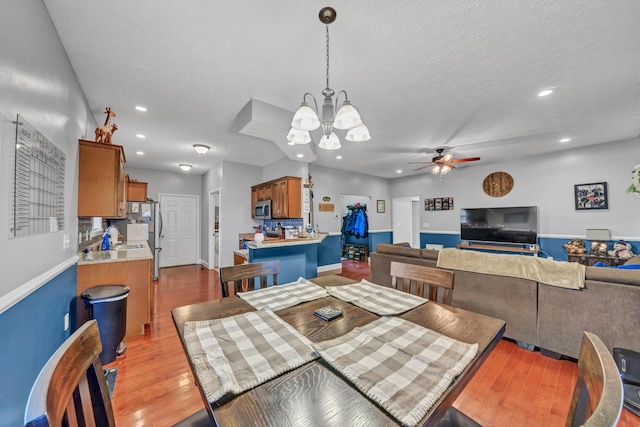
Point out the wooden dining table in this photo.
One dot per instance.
(315, 394)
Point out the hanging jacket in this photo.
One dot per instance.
(361, 226)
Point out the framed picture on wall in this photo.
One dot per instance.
(591, 196)
(380, 206)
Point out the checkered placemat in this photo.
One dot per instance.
(284, 296)
(402, 366)
(234, 354)
(377, 299)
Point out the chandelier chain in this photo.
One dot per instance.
(327, 26)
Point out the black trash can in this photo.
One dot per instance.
(108, 305)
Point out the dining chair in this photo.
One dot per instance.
(240, 276)
(414, 279)
(71, 389)
(597, 396)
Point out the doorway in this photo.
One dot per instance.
(214, 229)
(405, 214)
(179, 238)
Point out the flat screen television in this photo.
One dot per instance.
(510, 225)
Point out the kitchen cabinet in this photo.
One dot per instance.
(102, 189)
(285, 194)
(134, 274)
(136, 191)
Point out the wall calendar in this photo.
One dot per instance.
(37, 196)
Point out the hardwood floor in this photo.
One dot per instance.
(155, 387)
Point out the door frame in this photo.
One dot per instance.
(197, 197)
(211, 261)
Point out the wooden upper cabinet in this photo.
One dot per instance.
(101, 180)
(136, 191)
(285, 194)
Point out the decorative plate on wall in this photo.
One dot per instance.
(497, 184)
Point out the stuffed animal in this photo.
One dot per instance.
(621, 249)
(575, 246)
(598, 248)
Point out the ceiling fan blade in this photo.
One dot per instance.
(468, 159)
(426, 166)
(421, 163)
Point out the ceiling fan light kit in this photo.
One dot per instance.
(346, 118)
(442, 165)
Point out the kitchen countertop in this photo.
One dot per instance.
(274, 242)
(119, 255)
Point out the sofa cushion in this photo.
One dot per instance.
(398, 250)
(633, 260)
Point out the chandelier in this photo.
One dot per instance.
(347, 117)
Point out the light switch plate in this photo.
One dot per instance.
(66, 241)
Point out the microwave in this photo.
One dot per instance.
(262, 210)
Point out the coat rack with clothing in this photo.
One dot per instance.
(355, 223)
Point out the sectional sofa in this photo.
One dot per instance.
(538, 315)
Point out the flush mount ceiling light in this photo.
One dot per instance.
(185, 167)
(546, 92)
(346, 118)
(201, 148)
(141, 108)
(141, 136)
(565, 140)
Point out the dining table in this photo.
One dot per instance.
(316, 394)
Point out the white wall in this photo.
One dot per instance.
(333, 182)
(166, 182)
(285, 167)
(235, 206)
(545, 181)
(37, 82)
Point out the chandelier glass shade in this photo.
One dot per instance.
(308, 118)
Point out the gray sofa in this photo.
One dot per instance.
(548, 317)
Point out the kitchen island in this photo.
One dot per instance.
(297, 257)
(130, 266)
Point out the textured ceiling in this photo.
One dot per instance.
(423, 74)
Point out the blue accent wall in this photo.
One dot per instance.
(31, 332)
(329, 250)
(549, 246)
(378, 238)
(295, 261)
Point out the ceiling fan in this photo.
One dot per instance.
(443, 163)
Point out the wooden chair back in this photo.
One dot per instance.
(242, 277)
(597, 397)
(416, 278)
(71, 389)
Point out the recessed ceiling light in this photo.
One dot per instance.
(185, 167)
(141, 108)
(338, 157)
(141, 136)
(546, 92)
(299, 156)
(201, 148)
(399, 171)
(565, 140)
(139, 153)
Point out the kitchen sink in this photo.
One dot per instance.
(123, 247)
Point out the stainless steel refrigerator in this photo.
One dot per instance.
(149, 213)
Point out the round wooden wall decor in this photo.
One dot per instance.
(497, 184)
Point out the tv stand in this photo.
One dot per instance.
(481, 247)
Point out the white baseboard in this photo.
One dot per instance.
(330, 269)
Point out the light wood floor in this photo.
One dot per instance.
(154, 385)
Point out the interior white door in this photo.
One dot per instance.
(402, 214)
(179, 237)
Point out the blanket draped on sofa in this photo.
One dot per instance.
(562, 274)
